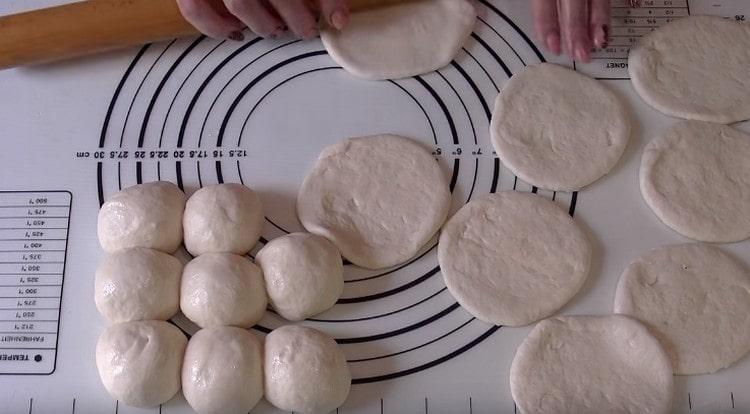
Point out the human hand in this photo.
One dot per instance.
(268, 18)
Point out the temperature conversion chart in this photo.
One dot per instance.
(33, 242)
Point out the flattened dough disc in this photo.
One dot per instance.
(557, 129)
(696, 179)
(695, 68)
(591, 365)
(695, 299)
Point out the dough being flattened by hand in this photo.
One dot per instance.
(513, 258)
(695, 299)
(696, 179)
(557, 129)
(379, 199)
(401, 40)
(591, 365)
(695, 68)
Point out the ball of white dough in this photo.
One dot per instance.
(222, 289)
(303, 274)
(222, 218)
(305, 371)
(145, 215)
(138, 284)
(139, 362)
(222, 372)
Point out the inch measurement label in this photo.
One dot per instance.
(33, 244)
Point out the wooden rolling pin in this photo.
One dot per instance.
(94, 26)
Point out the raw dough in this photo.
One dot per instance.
(145, 215)
(139, 362)
(379, 199)
(305, 371)
(401, 40)
(696, 179)
(304, 274)
(222, 289)
(222, 218)
(557, 129)
(137, 284)
(695, 68)
(513, 258)
(222, 372)
(696, 301)
(591, 365)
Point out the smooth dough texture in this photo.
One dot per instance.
(305, 371)
(695, 68)
(513, 258)
(401, 40)
(145, 215)
(696, 179)
(139, 362)
(222, 372)
(138, 284)
(557, 129)
(222, 289)
(304, 274)
(696, 301)
(591, 365)
(223, 218)
(379, 199)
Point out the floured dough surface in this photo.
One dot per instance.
(222, 289)
(558, 129)
(145, 215)
(379, 199)
(401, 40)
(138, 284)
(695, 68)
(139, 362)
(513, 258)
(222, 371)
(695, 299)
(305, 371)
(223, 218)
(591, 365)
(696, 179)
(304, 274)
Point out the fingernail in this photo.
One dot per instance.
(237, 36)
(310, 33)
(601, 36)
(339, 19)
(581, 54)
(553, 43)
(277, 32)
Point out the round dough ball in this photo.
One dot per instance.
(513, 258)
(696, 301)
(557, 129)
(696, 179)
(695, 68)
(223, 218)
(402, 40)
(145, 215)
(591, 365)
(139, 362)
(138, 284)
(222, 372)
(222, 289)
(305, 371)
(379, 199)
(304, 274)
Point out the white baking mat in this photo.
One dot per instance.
(198, 112)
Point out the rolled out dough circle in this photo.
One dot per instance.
(401, 40)
(591, 365)
(695, 68)
(696, 179)
(558, 129)
(513, 258)
(696, 301)
(379, 199)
